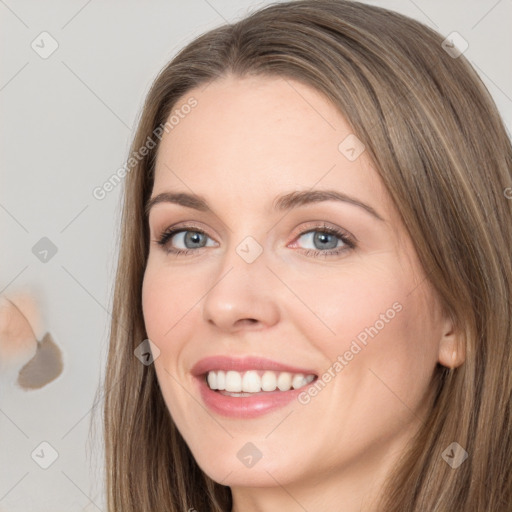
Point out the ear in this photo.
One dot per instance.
(452, 349)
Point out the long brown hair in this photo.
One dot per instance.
(435, 137)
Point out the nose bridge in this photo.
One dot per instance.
(245, 253)
(241, 291)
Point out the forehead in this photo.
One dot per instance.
(264, 136)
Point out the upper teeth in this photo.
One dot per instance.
(252, 382)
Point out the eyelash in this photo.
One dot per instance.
(346, 239)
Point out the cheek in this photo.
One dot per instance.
(351, 305)
(162, 304)
(388, 342)
(379, 362)
(372, 320)
(151, 304)
(164, 311)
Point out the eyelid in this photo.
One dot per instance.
(184, 226)
(320, 226)
(349, 241)
(165, 235)
(299, 231)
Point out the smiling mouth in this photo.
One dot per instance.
(252, 382)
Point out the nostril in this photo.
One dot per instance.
(243, 321)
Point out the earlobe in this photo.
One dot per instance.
(452, 350)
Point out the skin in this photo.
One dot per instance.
(247, 141)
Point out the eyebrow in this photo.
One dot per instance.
(283, 202)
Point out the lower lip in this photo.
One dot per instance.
(245, 407)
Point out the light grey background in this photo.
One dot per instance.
(67, 122)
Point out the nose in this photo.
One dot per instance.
(242, 295)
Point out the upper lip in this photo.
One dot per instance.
(241, 364)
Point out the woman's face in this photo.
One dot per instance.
(266, 297)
